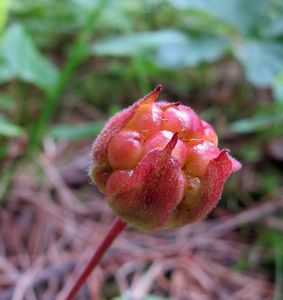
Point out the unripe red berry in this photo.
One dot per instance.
(161, 139)
(125, 150)
(147, 120)
(159, 164)
(200, 153)
(183, 119)
(209, 133)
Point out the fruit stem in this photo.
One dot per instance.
(116, 228)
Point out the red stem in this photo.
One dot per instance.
(110, 236)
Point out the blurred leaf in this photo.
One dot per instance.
(86, 4)
(114, 108)
(258, 123)
(192, 52)
(7, 128)
(268, 181)
(182, 4)
(133, 44)
(173, 48)
(21, 54)
(4, 8)
(275, 28)
(274, 25)
(241, 14)
(278, 88)
(251, 152)
(76, 132)
(7, 103)
(262, 60)
(7, 71)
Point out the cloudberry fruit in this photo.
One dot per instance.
(159, 164)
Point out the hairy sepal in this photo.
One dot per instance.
(155, 188)
(216, 174)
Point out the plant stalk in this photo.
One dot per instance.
(116, 228)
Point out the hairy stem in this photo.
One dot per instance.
(116, 228)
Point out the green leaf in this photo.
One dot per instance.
(262, 60)
(7, 128)
(86, 4)
(7, 72)
(168, 48)
(7, 103)
(76, 132)
(132, 44)
(241, 14)
(23, 57)
(258, 123)
(274, 26)
(192, 52)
